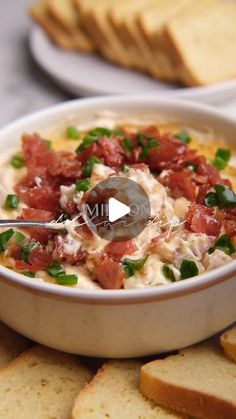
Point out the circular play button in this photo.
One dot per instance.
(117, 209)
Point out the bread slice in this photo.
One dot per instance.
(65, 13)
(11, 344)
(94, 17)
(123, 19)
(113, 393)
(152, 22)
(203, 38)
(40, 13)
(199, 381)
(228, 342)
(41, 383)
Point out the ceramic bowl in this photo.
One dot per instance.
(123, 323)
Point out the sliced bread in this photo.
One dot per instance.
(202, 39)
(228, 342)
(94, 18)
(113, 393)
(199, 381)
(65, 13)
(11, 344)
(41, 383)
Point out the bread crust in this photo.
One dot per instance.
(228, 343)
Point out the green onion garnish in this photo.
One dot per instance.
(211, 200)
(183, 136)
(55, 269)
(19, 237)
(126, 168)
(29, 274)
(67, 279)
(88, 167)
(83, 185)
(221, 158)
(225, 244)
(12, 202)
(223, 195)
(192, 166)
(168, 273)
(72, 133)
(130, 266)
(4, 239)
(48, 144)
(26, 249)
(127, 144)
(188, 269)
(17, 162)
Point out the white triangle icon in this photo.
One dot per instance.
(116, 209)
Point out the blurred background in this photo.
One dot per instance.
(25, 88)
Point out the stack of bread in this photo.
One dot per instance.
(41, 383)
(184, 41)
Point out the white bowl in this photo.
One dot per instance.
(123, 323)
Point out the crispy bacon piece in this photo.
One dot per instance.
(116, 250)
(108, 150)
(108, 272)
(181, 184)
(39, 234)
(42, 198)
(39, 260)
(60, 254)
(201, 219)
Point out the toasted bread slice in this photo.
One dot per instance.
(65, 13)
(11, 344)
(113, 393)
(151, 22)
(41, 383)
(203, 36)
(228, 342)
(123, 19)
(40, 13)
(199, 381)
(94, 17)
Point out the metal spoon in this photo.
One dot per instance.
(37, 224)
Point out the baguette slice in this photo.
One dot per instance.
(228, 342)
(94, 17)
(202, 38)
(41, 383)
(65, 13)
(11, 344)
(113, 393)
(199, 381)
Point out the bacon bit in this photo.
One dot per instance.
(201, 219)
(39, 234)
(112, 152)
(202, 191)
(116, 250)
(180, 184)
(108, 273)
(60, 255)
(64, 164)
(43, 198)
(39, 260)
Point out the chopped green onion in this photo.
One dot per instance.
(17, 162)
(225, 195)
(72, 133)
(211, 200)
(168, 273)
(67, 279)
(29, 274)
(183, 136)
(188, 269)
(4, 239)
(126, 168)
(193, 166)
(26, 249)
(55, 269)
(87, 141)
(83, 185)
(88, 167)
(127, 144)
(48, 144)
(131, 265)
(19, 237)
(225, 244)
(101, 132)
(147, 142)
(12, 201)
(221, 158)
(144, 153)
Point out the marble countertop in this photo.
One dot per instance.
(24, 88)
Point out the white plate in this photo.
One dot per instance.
(90, 75)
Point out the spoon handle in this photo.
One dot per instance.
(25, 224)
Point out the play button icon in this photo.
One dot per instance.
(116, 209)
